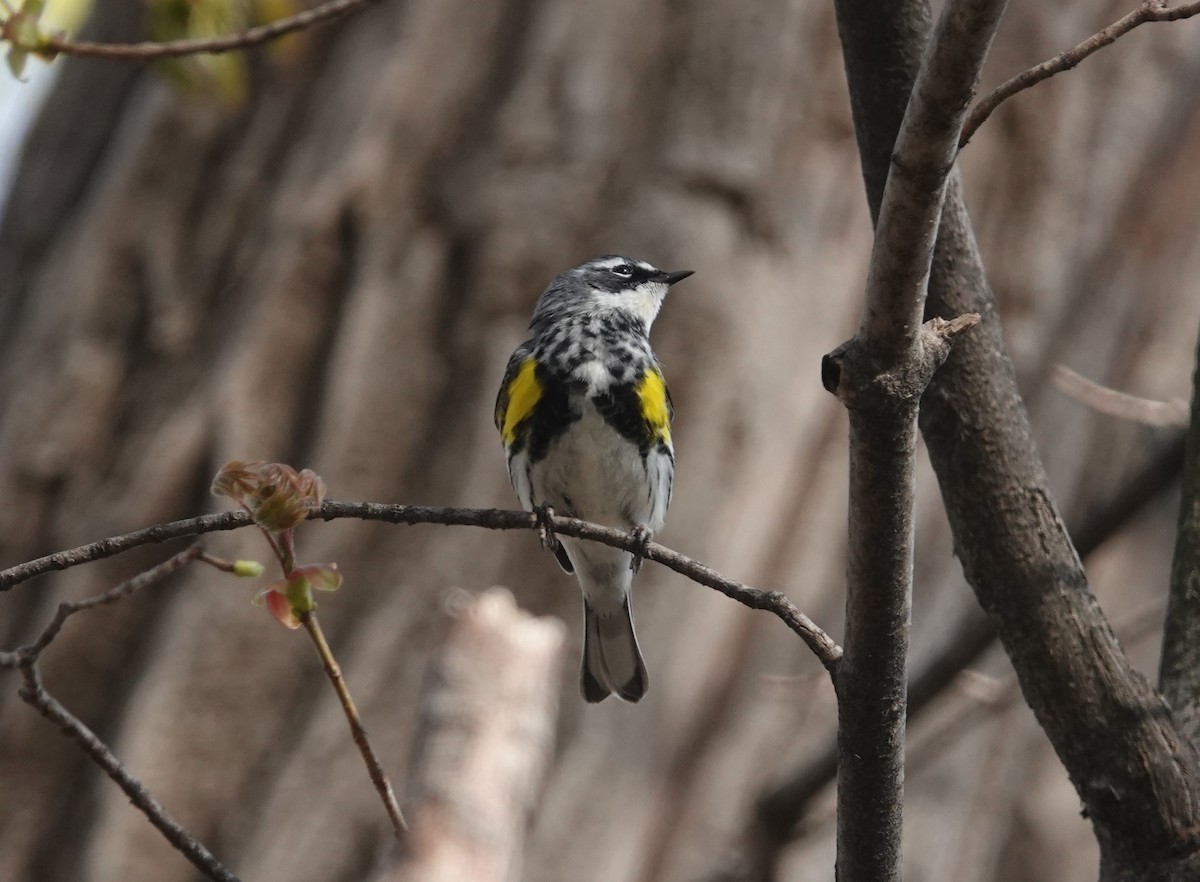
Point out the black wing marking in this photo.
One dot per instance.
(563, 560)
(637, 412)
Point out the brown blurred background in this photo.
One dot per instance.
(333, 272)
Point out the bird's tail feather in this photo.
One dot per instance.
(612, 661)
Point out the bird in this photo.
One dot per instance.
(585, 417)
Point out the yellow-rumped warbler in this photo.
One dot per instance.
(585, 417)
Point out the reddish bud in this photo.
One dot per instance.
(275, 598)
(277, 496)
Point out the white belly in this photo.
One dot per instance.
(595, 474)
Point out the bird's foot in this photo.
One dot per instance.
(641, 537)
(544, 515)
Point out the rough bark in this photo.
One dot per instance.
(1135, 769)
(880, 375)
(1179, 667)
(334, 273)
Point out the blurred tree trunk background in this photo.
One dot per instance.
(333, 273)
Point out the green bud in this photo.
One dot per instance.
(247, 569)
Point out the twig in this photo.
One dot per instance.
(374, 767)
(31, 651)
(153, 51)
(775, 602)
(1147, 11)
(25, 657)
(155, 535)
(1121, 405)
(34, 693)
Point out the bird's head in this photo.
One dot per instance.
(609, 284)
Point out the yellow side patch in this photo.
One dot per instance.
(652, 393)
(524, 391)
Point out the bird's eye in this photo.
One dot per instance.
(623, 270)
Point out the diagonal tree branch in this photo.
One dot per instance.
(1121, 405)
(1137, 775)
(1147, 11)
(114, 545)
(358, 731)
(31, 651)
(24, 659)
(36, 695)
(781, 808)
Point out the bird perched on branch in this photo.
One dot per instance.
(585, 418)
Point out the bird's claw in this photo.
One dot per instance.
(641, 537)
(544, 515)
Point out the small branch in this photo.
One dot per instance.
(1121, 405)
(25, 658)
(775, 602)
(1147, 11)
(31, 651)
(153, 51)
(374, 767)
(987, 696)
(35, 694)
(924, 153)
(979, 698)
(105, 548)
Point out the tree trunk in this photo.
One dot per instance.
(333, 275)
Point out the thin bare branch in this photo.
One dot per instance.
(980, 699)
(1121, 405)
(154, 51)
(1147, 11)
(35, 694)
(775, 602)
(105, 548)
(31, 651)
(374, 767)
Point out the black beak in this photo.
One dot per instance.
(679, 276)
